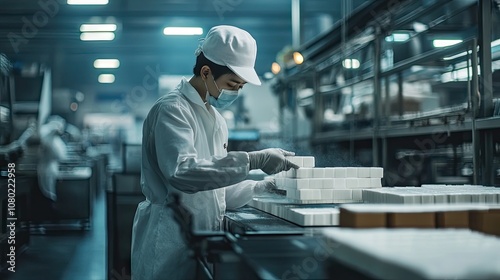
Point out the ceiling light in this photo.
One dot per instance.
(183, 31)
(106, 63)
(98, 27)
(97, 36)
(351, 63)
(397, 37)
(440, 43)
(457, 55)
(275, 68)
(106, 78)
(298, 58)
(88, 2)
(495, 43)
(419, 27)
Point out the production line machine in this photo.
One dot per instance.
(281, 237)
(258, 245)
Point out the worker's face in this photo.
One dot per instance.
(226, 81)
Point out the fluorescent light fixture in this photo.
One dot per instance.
(90, 27)
(106, 63)
(441, 43)
(183, 31)
(106, 78)
(397, 37)
(495, 43)
(88, 2)
(419, 27)
(456, 55)
(97, 36)
(351, 63)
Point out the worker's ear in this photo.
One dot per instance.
(205, 71)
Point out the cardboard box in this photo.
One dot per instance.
(411, 220)
(452, 219)
(362, 219)
(486, 221)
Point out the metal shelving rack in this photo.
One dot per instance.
(366, 32)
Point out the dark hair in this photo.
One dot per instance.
(217, 70)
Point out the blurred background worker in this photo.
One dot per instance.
(52, 150)
(184, 151)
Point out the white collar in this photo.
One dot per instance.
(190, 92)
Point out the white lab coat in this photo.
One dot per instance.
(183, 151)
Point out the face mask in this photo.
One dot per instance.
(226, 97)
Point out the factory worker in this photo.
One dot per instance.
(52, 150)
(184, 151)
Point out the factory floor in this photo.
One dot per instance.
(71, 254)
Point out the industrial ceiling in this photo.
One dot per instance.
(48, 31)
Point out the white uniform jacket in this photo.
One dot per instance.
(183, 151)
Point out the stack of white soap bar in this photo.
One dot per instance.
(434, 194)
(310, 184)
(298, 214)
(416, 253)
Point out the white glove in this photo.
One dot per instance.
(271, 161)
(264, 186)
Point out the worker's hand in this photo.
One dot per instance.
(271, 161)
(267, 185)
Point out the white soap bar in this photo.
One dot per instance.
(491, 198)
(304, 172)
(323, 218)
(342, 194)
(316, 183)
(339, 183)
(318, 172)
(302, 183)
(427, 198)
(312, 216)
(376, 172)
(328, 183)
(478, 198)
(351, 183)
(357, 195)
(308, 162)
(412, 198)
(440, 198)
(339, 172)
(309, 194)
(329, 172)
(466, 198)
(375, 183)
(351, 172)
(364, 183)
(327, 194)
(364, 172)
(296, 160)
